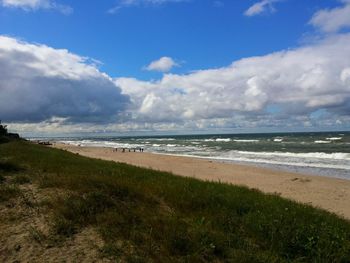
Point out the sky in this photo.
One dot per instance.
(174, 66)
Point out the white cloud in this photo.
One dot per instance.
(38, 83)
(261, 7)
(54, 90)
(295, 82)
(164, 64)
(332, 20)
(131, 3)
(30, 5)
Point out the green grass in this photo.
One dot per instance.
(150, 216)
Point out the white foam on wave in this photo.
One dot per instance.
(317, 155)
(322, 142)
(159, 139)
(280, 162)
(278, 140)
(246, 140)
(223, 140)
(334, 138)
(109, 144)
(264, 161)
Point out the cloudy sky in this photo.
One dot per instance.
(174, 66)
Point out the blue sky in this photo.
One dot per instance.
(199, 34)
(122, 38)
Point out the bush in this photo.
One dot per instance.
(3, 129)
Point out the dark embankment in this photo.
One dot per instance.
(143, 215)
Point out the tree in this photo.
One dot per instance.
(3, 129)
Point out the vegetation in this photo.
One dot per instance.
(5, 136)
(3, 129)
(149, 216)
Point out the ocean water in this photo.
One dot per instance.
(325, 154)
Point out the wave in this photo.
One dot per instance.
(286, 163)
(223, 140)
(108, 144)
(158, 139)
(300, 164)
(278, 140)
(321, 142)
(318, 155)
(217, 140)
(334, 138)
(236, 140)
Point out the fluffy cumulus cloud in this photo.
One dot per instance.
(39, 83)
(30, 5)
(283, 87)
(333, 20)
(130, 3)
(261, 7)
(164, 64)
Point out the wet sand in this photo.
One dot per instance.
(327, 193)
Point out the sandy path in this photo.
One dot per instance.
(327, 193)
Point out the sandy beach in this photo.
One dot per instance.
(326, 193)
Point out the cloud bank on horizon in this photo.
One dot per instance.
(47, 89)
(296, 83)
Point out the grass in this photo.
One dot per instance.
(150, 216)
(8, 191)
(21, 179)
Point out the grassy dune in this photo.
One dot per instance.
(149, 216)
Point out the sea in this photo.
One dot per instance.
(323, 154)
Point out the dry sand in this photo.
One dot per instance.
(25, 231)
(327, 193)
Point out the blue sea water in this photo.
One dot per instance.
(325, 154)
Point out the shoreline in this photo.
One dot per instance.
(288, 168)
(331, 194)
